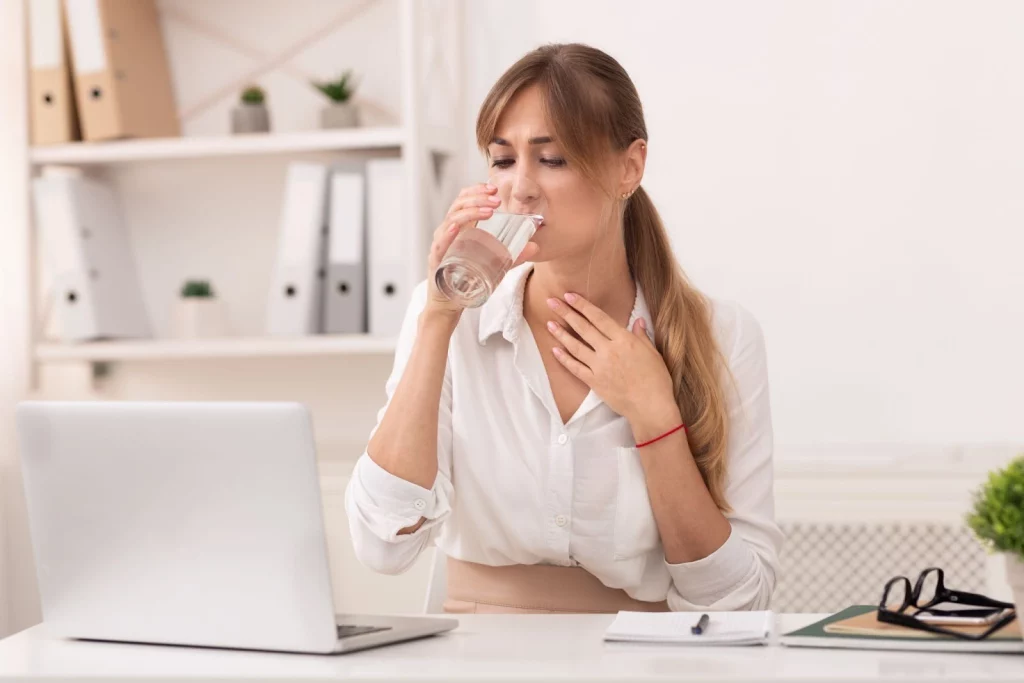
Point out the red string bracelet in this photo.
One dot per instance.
(659, 438)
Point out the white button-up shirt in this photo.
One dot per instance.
(517, 486)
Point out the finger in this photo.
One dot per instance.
(590, 334)
(571, 343)
(460, 219)
(577, 368)
(442, 241)
(452, 223)
(479, 188)
(598, 318)
(470, 215)
(527, 254)
(449, 230)
(640, 330)
(475, 200)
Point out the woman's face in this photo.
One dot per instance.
(532, 176)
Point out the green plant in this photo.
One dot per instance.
(197, 289)
(340, 89)
(998, 515)
(253, 95)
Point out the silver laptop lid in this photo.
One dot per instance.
(193, 523)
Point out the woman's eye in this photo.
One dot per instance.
(550, 162)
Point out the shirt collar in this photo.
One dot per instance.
(503, 311)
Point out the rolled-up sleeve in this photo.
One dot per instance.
(740, 575)
(378, 503)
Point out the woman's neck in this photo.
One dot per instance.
(603, 280)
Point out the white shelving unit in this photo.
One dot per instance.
(90, 154)
(428, 109)
(228, 347)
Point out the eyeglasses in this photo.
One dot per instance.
(929, 590)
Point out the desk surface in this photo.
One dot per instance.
(495, 647)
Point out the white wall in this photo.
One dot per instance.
(851, 172)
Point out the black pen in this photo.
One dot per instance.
(701, 624)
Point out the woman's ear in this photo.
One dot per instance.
(635, 160)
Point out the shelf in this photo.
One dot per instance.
(229, 347)
(155, 149)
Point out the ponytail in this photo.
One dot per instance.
(683, 336)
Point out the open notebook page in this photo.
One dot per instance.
(724, 628)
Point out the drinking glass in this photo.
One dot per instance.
(480, 256)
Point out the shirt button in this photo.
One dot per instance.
(562, 439)
(419, 504)
(561, 520)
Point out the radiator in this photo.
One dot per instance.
(828, 566)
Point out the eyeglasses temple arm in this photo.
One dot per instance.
(975, 599)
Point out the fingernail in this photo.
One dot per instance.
(552, 326)
(570, 297)
(453, 228)
(643, 325)
(496, 200)
(553, 303)
(557, 351)
(486, 209)
(491, 187)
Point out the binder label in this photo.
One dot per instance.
(45, 34)
(86, 30)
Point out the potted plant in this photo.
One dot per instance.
(251, 115)
(199, 314)
(341, 112)
(998, 520)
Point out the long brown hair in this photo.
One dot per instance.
(595, 110)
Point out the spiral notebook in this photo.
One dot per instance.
(724, 628)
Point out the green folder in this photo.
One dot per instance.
(815, 635)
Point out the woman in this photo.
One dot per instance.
(596, 436)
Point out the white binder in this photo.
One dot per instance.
(390, 276)
(345, 289)
(296, 290)
(95, 289)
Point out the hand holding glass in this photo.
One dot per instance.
(480, 256)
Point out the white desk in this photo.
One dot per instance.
(494, 647)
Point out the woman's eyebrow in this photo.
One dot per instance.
(543, 140)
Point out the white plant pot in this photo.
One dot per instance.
(339, 115)
(199, 318)
(1015, 577)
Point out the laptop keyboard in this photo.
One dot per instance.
(349, 630)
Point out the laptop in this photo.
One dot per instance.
(187, 523)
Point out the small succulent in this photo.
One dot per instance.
(197, 289)
(253, 95)
(998, 515)
(340, 89)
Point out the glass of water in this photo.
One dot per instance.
(480, 256)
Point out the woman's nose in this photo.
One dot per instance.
(524, 191)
